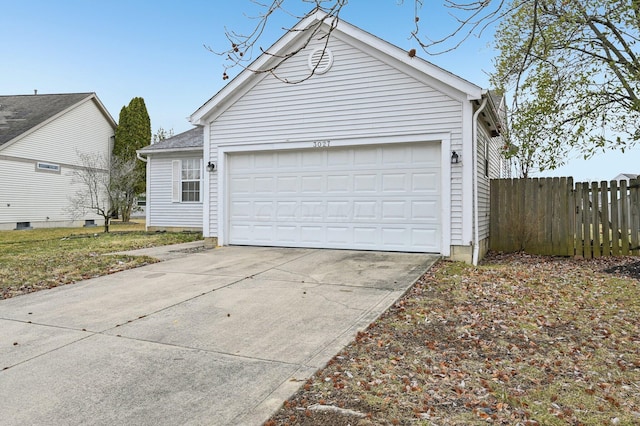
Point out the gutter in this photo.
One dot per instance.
(474, 142)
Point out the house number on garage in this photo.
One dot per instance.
(321, 144)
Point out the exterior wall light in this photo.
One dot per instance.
(455, 158)
(211, 167)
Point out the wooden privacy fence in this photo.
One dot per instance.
(552, 216)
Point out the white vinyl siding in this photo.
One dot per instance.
(164, 208)
(359, 97)
(40, 198)
(491, 147)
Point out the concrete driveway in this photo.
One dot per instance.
(220, 337)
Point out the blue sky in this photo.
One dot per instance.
(155, 49)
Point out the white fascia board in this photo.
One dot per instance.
(104, 111)
(169, 150)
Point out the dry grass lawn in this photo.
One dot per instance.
(43, 258)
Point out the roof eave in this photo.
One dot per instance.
(145, 151)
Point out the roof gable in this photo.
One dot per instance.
(192, 140)
(23, 114)
(374, 46)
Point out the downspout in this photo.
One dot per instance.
(476, 219)
(140, 157)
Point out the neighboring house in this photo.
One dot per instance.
(376, 151)
(625, 176)
(40, 139)
(174, 182)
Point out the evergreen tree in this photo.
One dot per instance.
(133, 132)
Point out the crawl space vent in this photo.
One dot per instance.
(322, 58)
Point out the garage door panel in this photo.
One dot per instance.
(365, 183)
(340, 235)
(365, 197)
(288, 160)
(366, 236)
(395, 237)
(338, 210)
(395, 210)
(366, 158)
(241, 233)
(240, 185)
(338, 158)
(424, 210)
(365, 210)
(311, 235)
(287, 233)
(286, 210)
(288, 184)
(263, 210)
(241, 210)
(395, 156)
(425, 182)
(394, 182)
(263, 185)
(314, 159)
(340, 183)
(425, 239)
(312, 184)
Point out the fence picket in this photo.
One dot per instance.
(624, 217)
(634, 225)
(595, 219)
(604, 218)
(555, 216)
(615, 219)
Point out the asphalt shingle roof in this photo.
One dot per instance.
(20, 113)
(193, 138)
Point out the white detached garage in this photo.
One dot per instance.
(356, 157)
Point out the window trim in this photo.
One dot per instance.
(177, 195)
(44, 167)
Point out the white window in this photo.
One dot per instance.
(187, 176)
(48, 167)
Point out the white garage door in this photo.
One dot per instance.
(373, 197)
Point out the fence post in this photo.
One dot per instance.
(586, 221)
(604, 218)
(615, 219)
(634, 194)
(578, 215)
(568, 212)
(624, 217)
(595, 211)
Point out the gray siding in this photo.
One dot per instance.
(162, 211)
(359, 97)
(491, 147)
